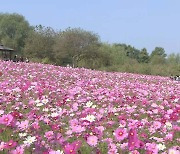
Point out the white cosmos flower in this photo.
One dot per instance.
(56, 152)
(59, 110)
(68, 100)
(29, 140)
(39, 104)
(1, 112)
(168, 125)
(72, 114)
(55, 114)
(93, 106)
(161, 147)
(45, 109)
(37, 101)
(22, 134)
(89, 104)
(90, 118)
(45, 101)
(176, 100)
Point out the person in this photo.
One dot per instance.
(27, 60)
(21, 59)
(176, 78)
(15, 58)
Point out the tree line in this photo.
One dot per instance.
(81, 48)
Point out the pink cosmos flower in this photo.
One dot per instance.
(120, 134)
(174, 116)
(135, 152)
(55, 127)
(124, 146)
(69, 149)
(16, 114)
(77, 145)
(35, 125)
(100, 128)
(72, 148)
(2, 145)
(173, 151)
(6, 119)
(73, 122)
(23, 125)
(77, 129)
(10, 144)
(157, 124)
(122, 123)
(133, 141)
(169, 136)
(18, 150)
(92, 140)
(49, 135)
(112, 148)
(151, 148)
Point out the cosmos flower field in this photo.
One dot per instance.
(46, 109)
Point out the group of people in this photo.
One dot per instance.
(176, 78)
(20, 59)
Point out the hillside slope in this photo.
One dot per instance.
(46, 108)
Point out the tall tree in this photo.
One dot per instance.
(158, 51)
(158, 56)
(14, 29)
(143, 56)
(74, 45)
(39, 44)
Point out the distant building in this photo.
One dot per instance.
(6, 53)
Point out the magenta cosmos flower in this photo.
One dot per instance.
(72, 148)
(120, 134)
(10, 144)
(133, 141)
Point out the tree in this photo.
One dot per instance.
(158, 56)
(132, 52)
(143, 56)
(14, 29)
(158, 51)
(74, 45)
(39, 44)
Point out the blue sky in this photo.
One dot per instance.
(141, 23)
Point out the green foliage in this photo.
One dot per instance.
(39, 43)
(174, 59)
(158, 51)
(14, 29)
(156, 59)
(143, 56)
(77, 44)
